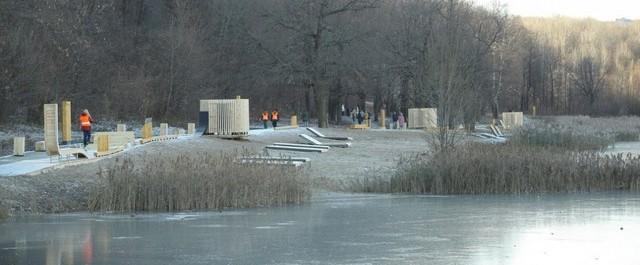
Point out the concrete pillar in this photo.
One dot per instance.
(66, 122)
(18, 146)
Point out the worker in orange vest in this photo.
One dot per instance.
(85, 126)
(275, 117)
(265, 118)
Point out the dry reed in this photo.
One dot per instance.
(200, 181)
(479, 168)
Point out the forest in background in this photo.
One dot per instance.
(130, 59)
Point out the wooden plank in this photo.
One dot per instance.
(304, 145)
(310, 139)
(51, 129)
(359, 126)
(66, 121)
(147, 129)
(109, 152)
(319, 134)
(296, 149)
(315, 132)
(298, 159)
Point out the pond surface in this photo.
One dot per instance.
(346, 229)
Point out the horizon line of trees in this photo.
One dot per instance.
(141, 58)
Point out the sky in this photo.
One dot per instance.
(607, 10)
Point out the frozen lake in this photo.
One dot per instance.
(602, 228)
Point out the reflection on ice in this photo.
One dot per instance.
(364, 229)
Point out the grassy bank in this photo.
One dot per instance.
(480, 168)
(196, 181)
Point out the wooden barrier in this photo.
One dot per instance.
(18, 146)
(66, 121)
(121, 128)
(423, 118)
(191, 128)
(103, 142)
(147, 130)
(294, 121)
(382, 119)
(227, 118)
(359, 126)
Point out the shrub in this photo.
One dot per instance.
(200, 181)
(478, 168)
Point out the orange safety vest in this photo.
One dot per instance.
(85, 121)
(275, 116)
(265, 116)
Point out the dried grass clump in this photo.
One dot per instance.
(553, 135)
(201, 181)
(477, 169)
(4, 213)
(625, 128)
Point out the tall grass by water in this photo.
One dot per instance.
(196, 181)
(476, 168)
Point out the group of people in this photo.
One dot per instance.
(274, 118)
(359, 115)
(399, 122)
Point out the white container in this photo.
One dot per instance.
(18, 146)
(228, 118)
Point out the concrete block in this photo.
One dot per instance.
(40, 146)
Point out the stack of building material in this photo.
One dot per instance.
(226, 118)
(423, 118)
(512, 120)
(314, 141)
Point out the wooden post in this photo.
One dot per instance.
(191, 128)
(147, 129)
(294, 121)
(103, 143)
(164, 129)
(66, 122)
(382, 119)
(121, 128)
(18, 146)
